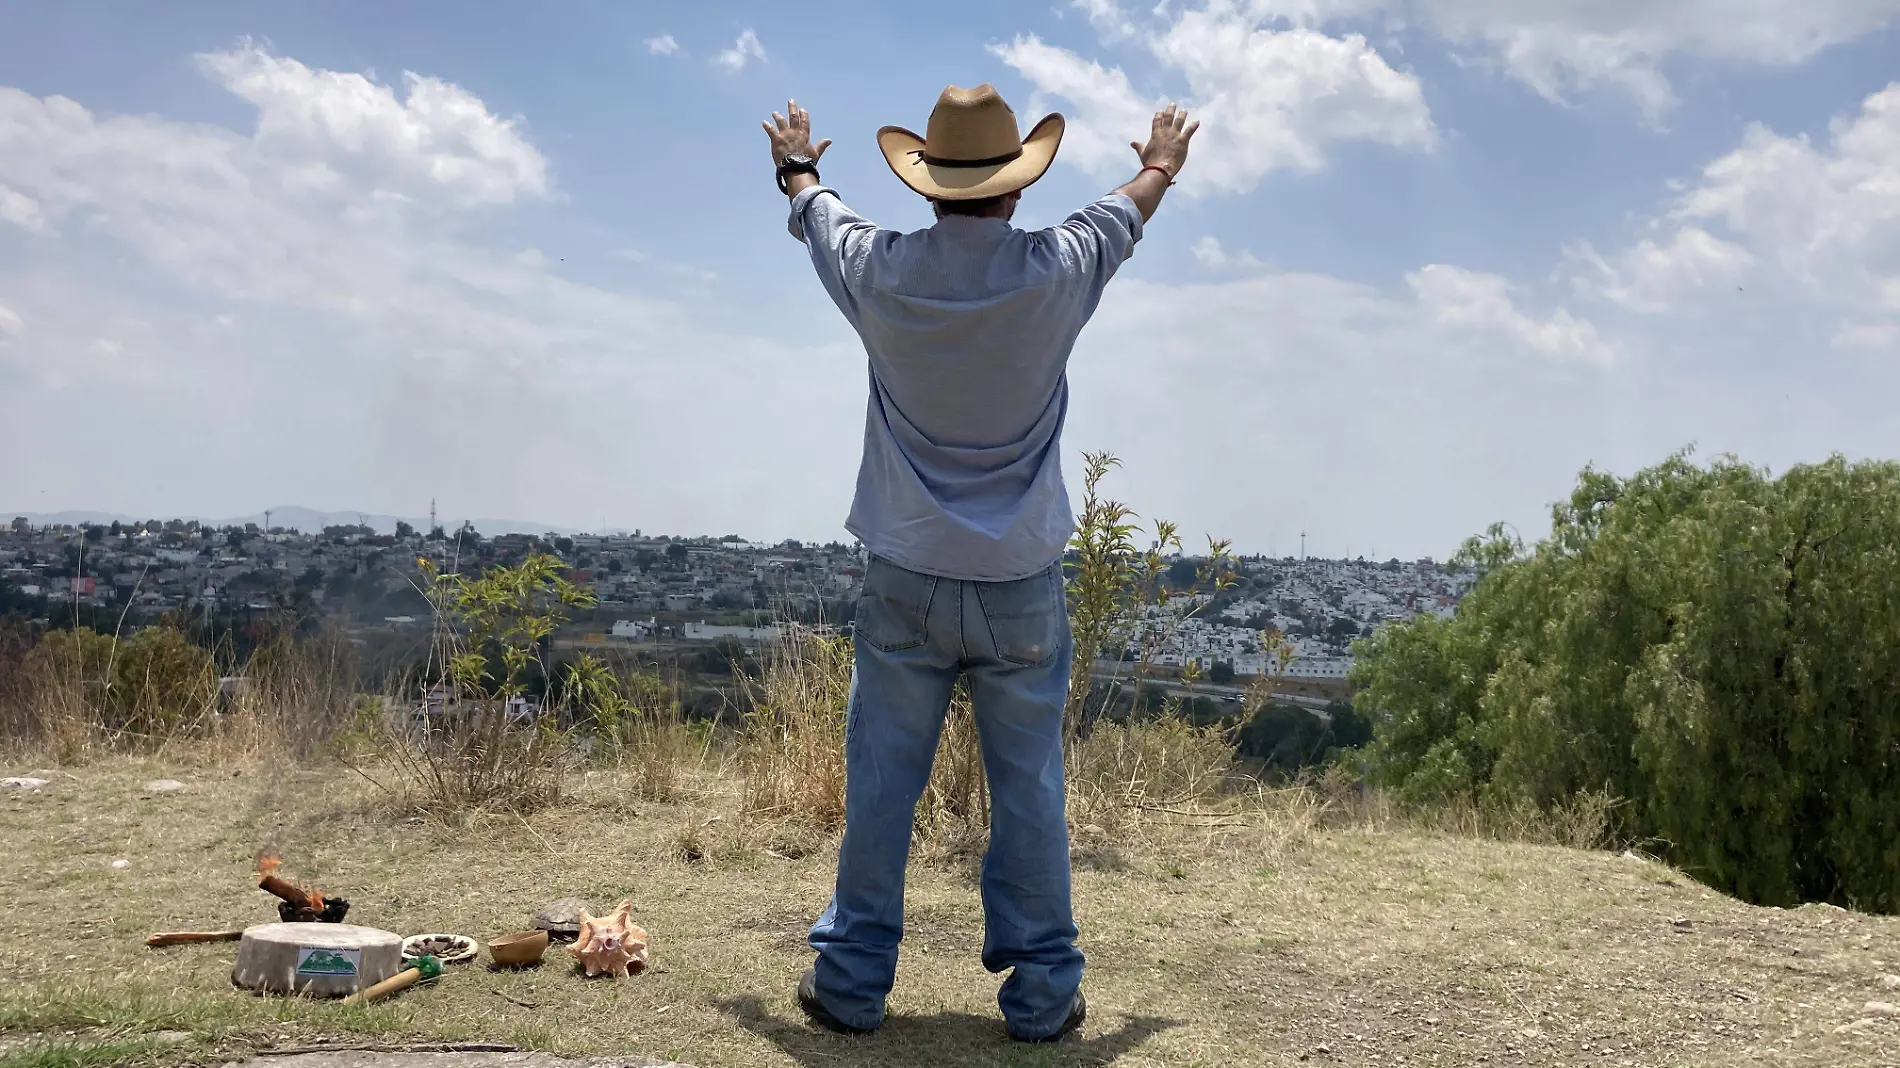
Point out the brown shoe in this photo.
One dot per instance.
(808, 1000)
(1078, 1011)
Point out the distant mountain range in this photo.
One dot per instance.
(308, 520)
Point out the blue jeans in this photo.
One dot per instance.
(915, 634)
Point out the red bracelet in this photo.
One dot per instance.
(1156, 167)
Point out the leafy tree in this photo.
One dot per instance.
(95, 533)
(1717, 648)
(404, 531)
(1222, 673)
(1183, 572)
(676, 552)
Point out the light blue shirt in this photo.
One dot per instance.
(968, 326)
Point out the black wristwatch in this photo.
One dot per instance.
(791, 165)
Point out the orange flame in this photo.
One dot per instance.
(267, 863)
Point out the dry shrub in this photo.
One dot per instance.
(637, 725)
(79, 693)
(791, 747)
(294, 700)
(473, 757)
(953, 816)
(1126, 775)
(86, 692)
(1583, 822)
(16, 640)
(658, 754)
(791, 754)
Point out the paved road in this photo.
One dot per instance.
(1218, 693)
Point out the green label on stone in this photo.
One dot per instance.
(318, 960)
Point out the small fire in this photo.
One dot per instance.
(268, 879)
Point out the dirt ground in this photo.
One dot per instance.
(1264, 944)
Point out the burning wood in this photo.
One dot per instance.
(298, 905)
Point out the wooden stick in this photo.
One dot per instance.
(285, 890)
(179, 938)
(402, 980)
(426, 966)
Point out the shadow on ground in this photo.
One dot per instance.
(944, 1038)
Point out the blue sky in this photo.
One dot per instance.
(1430, 257)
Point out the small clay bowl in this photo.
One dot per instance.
(518, 950)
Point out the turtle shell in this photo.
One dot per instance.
(561, 919)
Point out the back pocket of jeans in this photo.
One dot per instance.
(1025, 617)
(893, 608)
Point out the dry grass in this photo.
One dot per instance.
(791, 750)
(76, 696)
(1277, 937)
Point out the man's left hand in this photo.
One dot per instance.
(791, 134)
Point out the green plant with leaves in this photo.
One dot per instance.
(1123, 598)
(506, 612)
(635, 720)
(1101, 580)
(490, 745)
(1718, 648)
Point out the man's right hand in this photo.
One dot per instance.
(1165, 152)
(1167, 145)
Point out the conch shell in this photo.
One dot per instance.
(611, 944)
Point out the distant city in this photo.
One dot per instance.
(652, 590)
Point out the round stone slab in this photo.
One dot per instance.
(561, 919)
(321, 960)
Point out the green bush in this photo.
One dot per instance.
(152, 686)
(1717, 648)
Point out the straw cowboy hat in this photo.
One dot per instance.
(970, 149)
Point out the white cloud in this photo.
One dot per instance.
(10, 323)
(439, 141)
(1345, 411)
(21, 210)
(743, 51)
(1656, 278)
(1209, 252)
(1560, 46)
(313, 300)
(1872, 337)
(1472, 303)
(1107, 17)
(1819, 224)
(1270, 98)
(663, 45)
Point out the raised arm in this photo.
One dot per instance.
(1162, 158)
(790, 134)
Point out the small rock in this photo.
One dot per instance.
(1891, 982)
(1681, 923)
(22, 782)
(162, 786)
(1855, 1026)
(121, 863)
(1881, 1008)
(1322, 1048)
